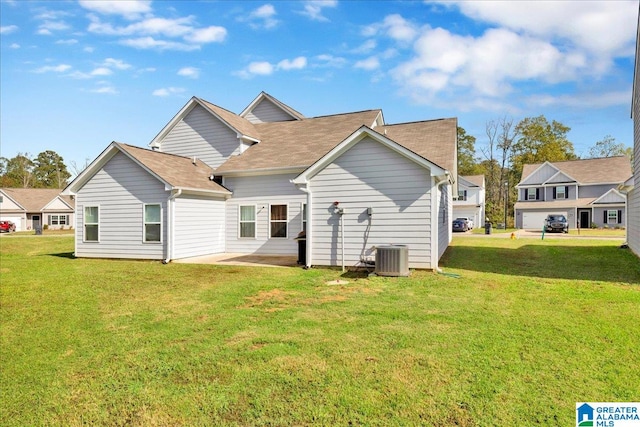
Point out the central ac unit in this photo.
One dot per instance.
(392, 260)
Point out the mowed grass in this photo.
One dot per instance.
(530, 328)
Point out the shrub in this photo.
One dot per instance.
(45, 227)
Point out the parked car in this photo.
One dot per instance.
(556, 223)
(7, 227)
(459, 225)
(468, 220)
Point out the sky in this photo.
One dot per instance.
(76, 75)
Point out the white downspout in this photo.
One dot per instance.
(435, 255)
(171, 221)
(342, 236)
(309, 236)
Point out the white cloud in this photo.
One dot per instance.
(191, 72)
(213, 34)
(148, 33)
(67, 42)
(48, 27)
(295, 64)
(8, 29)
(53, 68)
(168, 91)
(313, 9)
(330, 61)
(260, 68)
(108, 90)
(130, 9)
(395, 27)
(101, 71)
(262, 17)
(365, 47)
(371, 63)
(118, 64)
(14, 46)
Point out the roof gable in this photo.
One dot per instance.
(8, 203)
(356, 137)
(605, 170)
(611, 196)
(560, 178)
(57, 204)
(266, 101)
(32, 199)
(537, 174)
(472, 180)
(175, 172)
(242, 127)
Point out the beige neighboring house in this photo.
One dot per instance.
(584, 191)
(30, 208)
(471, 199)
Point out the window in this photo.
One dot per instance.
(248, 221)
(278, 221)
(63, 219)
(152, 223)
(612, 217)
(91, 224)
(561, 192)
(57, 219)
(304, 217)
(532, 194)
(462, 195)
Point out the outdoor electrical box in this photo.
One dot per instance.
(369, 211)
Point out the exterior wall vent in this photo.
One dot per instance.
(392, 260)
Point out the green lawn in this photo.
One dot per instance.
(530, 328)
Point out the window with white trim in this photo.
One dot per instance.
(462, 195)
(532, 194)
(247, 221)
(560, 192)
(278, 221)
(91, 224)
(612, 216)
(152, 223)
(57, 219)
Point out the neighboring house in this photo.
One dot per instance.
(471, 199)
(584, 191)
(632, 191)
(30, 208)
(220, 182)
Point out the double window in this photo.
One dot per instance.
(153, 223)
(611, 217)
(58, 219)
(248, 221)
(91, 224)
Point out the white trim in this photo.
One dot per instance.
(564, 194)
(144, 224)
(523, 179)
(617, 221)
(84, 223)
(13, 200)
(255, 222)
(571, 179)
(623, 201)
(52, 200)
(282, 106)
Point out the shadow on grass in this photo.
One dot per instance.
(593, 263)
(68, 255)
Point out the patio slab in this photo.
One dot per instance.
(243, 259)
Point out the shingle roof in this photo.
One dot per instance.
(435, 140)
(177, 171)
(590, 171)
(297, 143)
(241, 124)
(35, 199)
(475, 179)
(556, 204)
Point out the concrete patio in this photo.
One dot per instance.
(243, 259)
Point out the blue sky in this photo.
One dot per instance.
(76, 75)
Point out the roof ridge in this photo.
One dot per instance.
(159, 152)
(342, 114)
(420, 121)
(217, 106)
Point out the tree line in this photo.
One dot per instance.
(512, 145)
(46, 170)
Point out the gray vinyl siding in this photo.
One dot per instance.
(571, 195)
(120, 190)
(633, 198)
(199, 226)
(586, 191)
(397, 189)
(262, 192)
(540, 176)
(202, 135)
(266, 111)
(598, 216)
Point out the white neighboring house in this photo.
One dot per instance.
(31, 208)
(219, 182)
(471, 199)
(584, 191)
(630, 187)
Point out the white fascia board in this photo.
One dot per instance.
(246, 138)
(355, 138)
(200, 192)
(536, 170)
(102, 159)
(466, 183)
(572, 179)
(186, 109)
(378, 121)
(614, 191)
(626, 186)
(274, 101)
(45, 207)
(264, 171)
